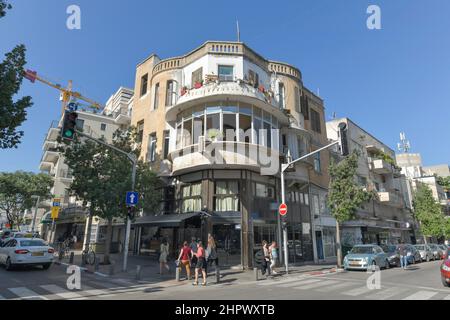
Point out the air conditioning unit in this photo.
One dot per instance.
(201, 144)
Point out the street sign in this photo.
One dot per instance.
(283, 209)
(55, 212)
(132, 198)
(56, 202)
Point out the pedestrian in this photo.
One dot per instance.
(266, 261)
(211, 253)
(185, 259)
(273, 256)
(193, 246)
(163, 256)
(403, 255)
(201, 264)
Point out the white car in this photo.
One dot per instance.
(26, 251)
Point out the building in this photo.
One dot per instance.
(72, 219)
(387, 219)
(442, 170)
(215, 124)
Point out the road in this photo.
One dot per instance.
(420, 281)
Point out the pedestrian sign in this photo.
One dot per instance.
(55, 212)
(132, 198)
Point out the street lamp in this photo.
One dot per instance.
(33, 223)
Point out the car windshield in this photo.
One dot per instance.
(420, 247)
(359, 250)
(32, 243)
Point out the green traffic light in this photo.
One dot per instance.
(68, 133)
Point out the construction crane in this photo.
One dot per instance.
(67, 93)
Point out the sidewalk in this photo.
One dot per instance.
(150, 271)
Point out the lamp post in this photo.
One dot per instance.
(33, 223)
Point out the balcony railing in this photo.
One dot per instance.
(381, 166)
(392, 197)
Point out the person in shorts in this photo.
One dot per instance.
(201, 264)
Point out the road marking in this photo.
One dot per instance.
(317, 285)
(26, 294)
(356, 292)
(61, 292)
(298, 283)
(275, 282)
(447, 297)
(421, 295)
(386, 294)
(336, 287)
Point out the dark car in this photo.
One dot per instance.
(393, 254)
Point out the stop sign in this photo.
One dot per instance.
(283, 209)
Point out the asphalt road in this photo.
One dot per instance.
(420, 281)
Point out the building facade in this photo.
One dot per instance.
(216, 124)
(386, 219)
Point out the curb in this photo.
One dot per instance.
(81, 268)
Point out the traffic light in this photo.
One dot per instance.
(69, 125)
(343, 140)
(131, 212)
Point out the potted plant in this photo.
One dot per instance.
(214, 135)
(198, 84)
(261, 88)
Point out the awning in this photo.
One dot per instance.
(166, 220)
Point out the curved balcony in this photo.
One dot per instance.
(238, 91)
(225, 155)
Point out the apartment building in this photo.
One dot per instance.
(72, 219)
(387, 219)
(216, 123)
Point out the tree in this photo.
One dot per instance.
(12, 114)
(444, 182)
(103, 176)
(345, 196)
(16, 190)
(4, 5)
(428, 212)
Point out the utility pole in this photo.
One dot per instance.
(133, 159)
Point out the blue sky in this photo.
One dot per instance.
(390, 80)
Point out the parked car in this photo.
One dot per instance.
(26, 251)
(436, 251)
(447, 252)
(445, 273)
(362, 257)
(425, 252)
(444, 251)
(392, 253)
(413, 255)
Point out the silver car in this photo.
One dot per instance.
(437, 252)
(425, 252)
(26, 251)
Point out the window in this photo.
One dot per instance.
(227, 196)
(304, 106)
(151, 156)
(315, 121)
(197, 77)
(166, 143)
(297, 99)
(315, 204)
(187, 132)
(213, 122)
(199, 124)
(80, 124)
(144, 84)
(140, 130)
(253, 78)
(192, 199)
(170, 93)
(225, 73)
(245, 124)
(229, 122)
(281, 95)
(156, 97)
(103, 127)
(264, 191)
(317, 165)
(301, 146)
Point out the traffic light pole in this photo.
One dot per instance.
(132, 157)
(283, 195)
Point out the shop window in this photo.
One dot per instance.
(227, 196)
(192, 198)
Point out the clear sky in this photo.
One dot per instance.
(387, 81)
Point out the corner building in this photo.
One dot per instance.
(216, 124)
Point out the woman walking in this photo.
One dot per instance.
(211, 253)
(266, 262)
(185, 259)
(273, 256)
(164, 254)
(201, 264)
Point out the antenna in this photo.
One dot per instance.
(404, 144)
(238, 31)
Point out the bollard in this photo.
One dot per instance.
(177, 274)
(255, 271)
(217, 274)
(72, 255)
(138, 272)
(111, 268)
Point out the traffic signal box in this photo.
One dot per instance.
(68, 130)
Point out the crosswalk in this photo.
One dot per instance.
(100, 290)
(355, 289)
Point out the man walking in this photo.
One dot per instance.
(403, 255)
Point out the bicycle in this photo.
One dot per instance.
(88, 256)
(63, 249)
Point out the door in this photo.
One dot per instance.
(319, 242)
(228, 241)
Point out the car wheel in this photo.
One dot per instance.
(387, 264)
(445, 283)
(8, 264)
(46, 266)
(428, 258)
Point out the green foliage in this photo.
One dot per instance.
(344, 195)
(16, 190)
(444, 182)
(429, 212)
(4, 5)
(386, 157)
(12, 114)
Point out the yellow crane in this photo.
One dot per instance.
(67, 93)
